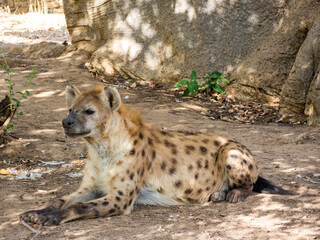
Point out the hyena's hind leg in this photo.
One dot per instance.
(240, 169)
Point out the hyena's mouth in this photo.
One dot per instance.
(76, 134)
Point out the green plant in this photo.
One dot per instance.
(211, 83)
(192, 85)
(15, 97)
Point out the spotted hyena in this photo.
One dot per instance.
(131, 162)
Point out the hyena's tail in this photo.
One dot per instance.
(264, 186)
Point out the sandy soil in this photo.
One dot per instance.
(286, 154)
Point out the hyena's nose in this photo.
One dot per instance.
(67, 122)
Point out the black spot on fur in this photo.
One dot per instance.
(216, 143)
(131, 176)
(131, 193)
(130, 202)
(140, 135)
(203, 149)
(112, 210)
(229, 167)
(120, 193)
(174, 151)
(178, 183)
(205, 141)
(250, 167)
(208, 188)
(125, 206)
(174, 161)
(206, 164)
(93, 204)
(132, 152)
(163, 133)
(190, 167)
(154, 154)
(135, 142)
(196, 176)
(142, 172)
(239, 181)
(143, 153)
(199, 191)
(244, 161)
(105, 203)
(169, 144)
(190, 147)
(188, 191)
(172, 170)
(163, 165)
(199, 164)
(118, 198)
(160, 190)
(81, 209)
(115, 205)
(150, 141)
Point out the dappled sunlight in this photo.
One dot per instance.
(183, 6)
(126, 47)
(44, 131)
(60, 109)
(46, 94)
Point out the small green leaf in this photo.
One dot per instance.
(193, 76)
(10, 127)
(32, 83)
(21, 113)
(24, 97)
(215, 74)
(17, 101)
(20, 92)
(190, 87)
(7, 80)
(186, 92)
(15, 106)
(27, 93)
(219, 89)
(223, 79)
(180, 83)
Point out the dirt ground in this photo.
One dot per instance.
(41, 164)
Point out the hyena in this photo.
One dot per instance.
(131, 162)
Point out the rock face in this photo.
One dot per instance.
(269, 48)
(166, 40)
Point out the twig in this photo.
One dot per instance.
(28, 226)
(37, 232)
(3, 128)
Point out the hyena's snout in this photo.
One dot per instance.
(69, 121)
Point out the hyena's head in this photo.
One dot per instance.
(89, 111)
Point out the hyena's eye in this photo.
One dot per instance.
(89, 111)
(70, 110)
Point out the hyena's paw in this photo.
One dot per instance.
(237, 195)
(218, 196)
(46, 216)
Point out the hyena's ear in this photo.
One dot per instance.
(111, 97)
(71, 94)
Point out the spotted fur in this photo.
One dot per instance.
(131, 162)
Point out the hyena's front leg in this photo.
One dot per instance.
(116, 203)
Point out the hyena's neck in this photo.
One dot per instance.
(117, 137)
